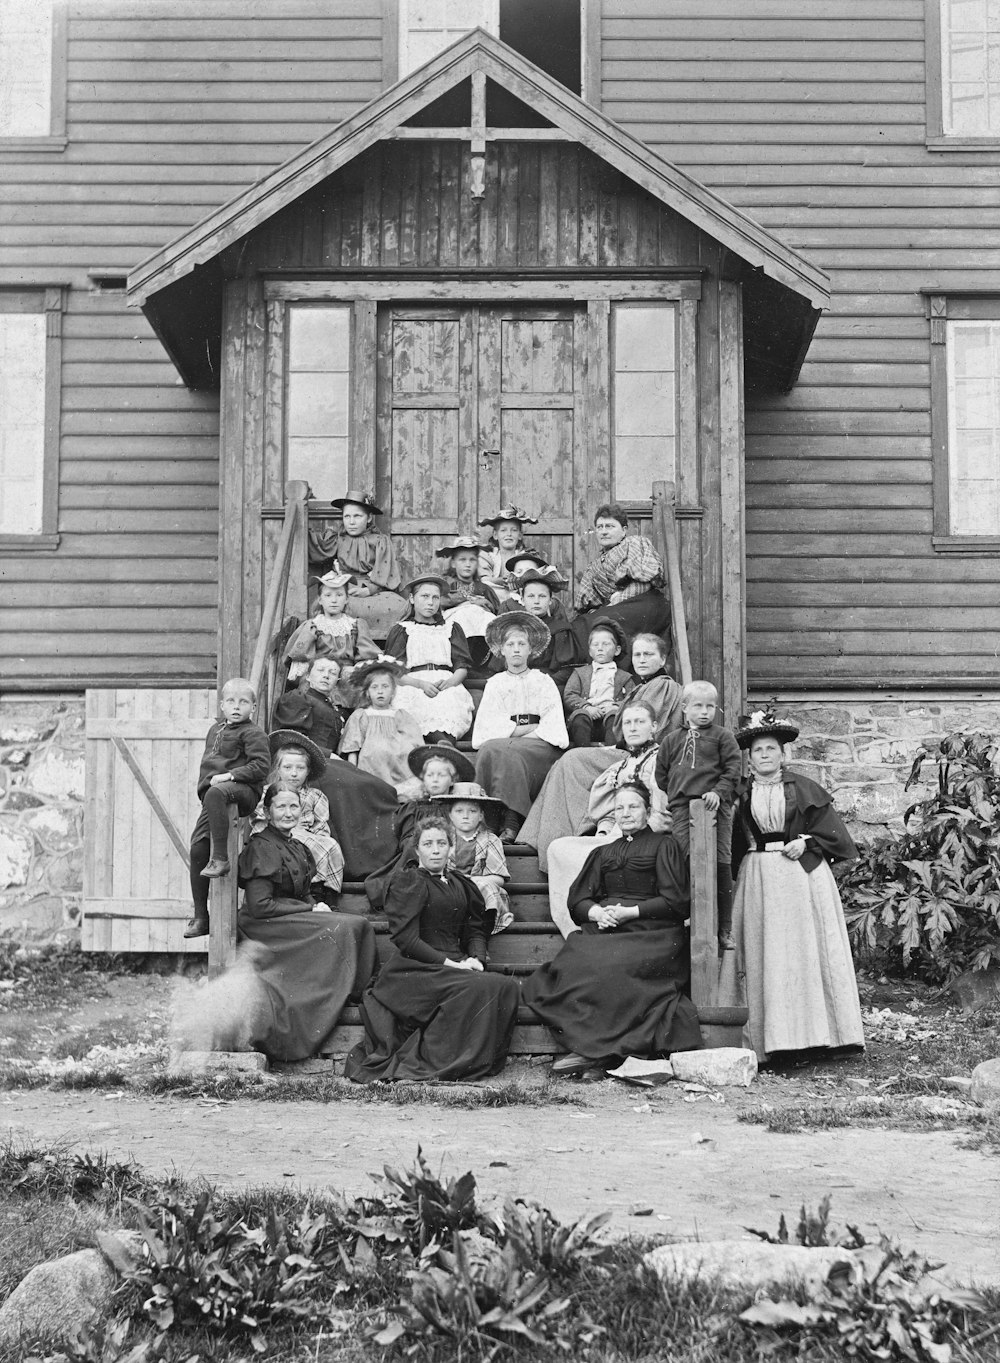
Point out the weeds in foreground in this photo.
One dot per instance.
(421, 1271)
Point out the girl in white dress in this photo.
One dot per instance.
(435, 654)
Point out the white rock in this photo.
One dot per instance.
(720, 1065)
(198, 1062)
(15, 859)
(54, 1301)
(745, 1265)
(58, 777)
(986, 1084)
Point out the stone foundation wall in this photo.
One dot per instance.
(41, 814)
(862, 751)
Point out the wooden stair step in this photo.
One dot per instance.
(531, 1037)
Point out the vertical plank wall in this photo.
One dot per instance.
(172, 108)
(812, 118)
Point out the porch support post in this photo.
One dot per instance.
(733, 499)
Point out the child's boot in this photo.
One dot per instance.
(218, 866)
(196, 926)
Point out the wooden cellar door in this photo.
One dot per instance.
(477, 407)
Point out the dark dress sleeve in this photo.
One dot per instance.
(395, 644)
(673, 898)
(262, 871)
(460, 655)
(588, 888)
(474, 929)
(405, 900)
(814, 814)
(293, 711)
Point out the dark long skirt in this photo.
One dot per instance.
(309, 964)
(646, 614)
(434, 1022)
(513, 769)
(362, 816)
(611, 994)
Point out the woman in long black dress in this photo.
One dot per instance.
(434, 1013)
(309, 959)
(617, 987)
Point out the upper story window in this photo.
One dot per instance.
(547, 34)
(29, 417)
(965, 416)
(32, 75)
(963, 73)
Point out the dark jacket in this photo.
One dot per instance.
(313, 714)
(808, 810)
(577, 692)
(693, 762)
(239, 749)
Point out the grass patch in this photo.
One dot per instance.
(791, 1118)
(323, 1089)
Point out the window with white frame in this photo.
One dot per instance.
(644, 397)
(317, 404)
(973, 361)
(26, 48)
(29, 416)
(970, 68)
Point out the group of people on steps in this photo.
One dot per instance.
(583, 747)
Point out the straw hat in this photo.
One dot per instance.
(415, 582)
(419, 758)
(385, 662)
(354, 497)
(765, 724)
(463, 542)
(537, 632)
(468, 790)
(549, 575)
(510, 513)
(334, 579)
(291, 738)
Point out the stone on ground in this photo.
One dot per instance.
(721, 1066)
(55, 1301)
(745, 1265)
(986, 1084)
(200, 1062)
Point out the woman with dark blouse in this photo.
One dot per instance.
(434, 1013)
(309, 959)
(616, 988)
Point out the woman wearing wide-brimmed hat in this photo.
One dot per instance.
(505, 539)
(435, 654)
(356, 547)
(298, 762)
(792, 951)
(520, 729)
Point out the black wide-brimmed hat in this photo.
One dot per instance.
(419, 757)
(510, 512)
(456, 546)
(539, 560)
(536, 630)
(549, 575)
(415, 582)
(613, 628)
(291, 738)
(354, 497)
(765, 724)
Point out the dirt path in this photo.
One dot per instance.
(703, 1173)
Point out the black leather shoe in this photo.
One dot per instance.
(196, 927)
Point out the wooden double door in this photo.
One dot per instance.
(479, 406)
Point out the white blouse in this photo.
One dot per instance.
(524, 693)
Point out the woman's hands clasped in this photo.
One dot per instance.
(469, 963)
(608, 916)
(793, 850)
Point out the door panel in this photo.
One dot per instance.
(478, 407)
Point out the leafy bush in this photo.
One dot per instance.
(928, 903)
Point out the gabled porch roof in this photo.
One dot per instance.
(179, 288)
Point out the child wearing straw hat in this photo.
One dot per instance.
(331, 632)
(505, 539)
(379, 736)
(478, 852)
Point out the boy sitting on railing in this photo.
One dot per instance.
(233, 770)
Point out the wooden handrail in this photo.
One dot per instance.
(664, 500)
(721, 1024)
(292, 529)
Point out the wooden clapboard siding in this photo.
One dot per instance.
(813, 120)
(172, 108)
(136, 894)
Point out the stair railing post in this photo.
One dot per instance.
(704, 908)
(665, 539)
(222, 907)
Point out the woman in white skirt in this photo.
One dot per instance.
(792, 953)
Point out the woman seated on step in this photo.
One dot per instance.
(434, 1012)
(617, 987)
(793, 957)
(625, 581)
(520, 728)
(308, 959)
(637, 765)
(561, 808)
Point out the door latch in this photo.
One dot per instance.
(486, 456)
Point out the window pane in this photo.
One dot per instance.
(974, 427)
(317, 410)
(22, 422)
(427, 27)
(645, 396)
(970, 61)
(25, 68)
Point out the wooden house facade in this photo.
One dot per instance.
(750, 248)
